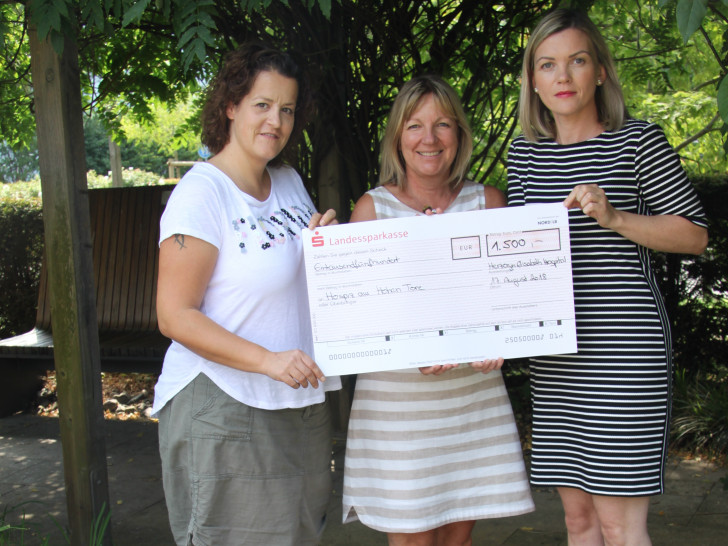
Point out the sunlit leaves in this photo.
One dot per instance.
(17, 125)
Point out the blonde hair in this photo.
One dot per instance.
(536, 120)
(393, 168)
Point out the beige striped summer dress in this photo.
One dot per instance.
(422, 450)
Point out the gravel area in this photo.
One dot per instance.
(126, 396)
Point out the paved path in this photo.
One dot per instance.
(693, 511)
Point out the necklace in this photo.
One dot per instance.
(418, 204)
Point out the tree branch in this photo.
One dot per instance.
(705, 130)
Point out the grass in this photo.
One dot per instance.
(16, 534)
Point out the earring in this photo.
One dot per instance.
(535, 90)
(599, 82)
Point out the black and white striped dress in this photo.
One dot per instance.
(600, 417)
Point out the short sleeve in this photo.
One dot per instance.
(663, 184)
(193, 209)
(515, 193)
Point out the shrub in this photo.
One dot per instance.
(696, 287)
(696, 292)
(131, 177)
(700, 411)
(21, 237)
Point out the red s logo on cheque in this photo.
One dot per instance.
(317, 240)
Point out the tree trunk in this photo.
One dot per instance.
(57, 95)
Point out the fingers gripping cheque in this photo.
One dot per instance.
(441, 289)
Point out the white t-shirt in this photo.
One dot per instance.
(258, 287)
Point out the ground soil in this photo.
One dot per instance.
(125, 395)
(130, 396)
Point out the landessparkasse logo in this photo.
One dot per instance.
(317, 240)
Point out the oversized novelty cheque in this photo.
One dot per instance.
(440, 289)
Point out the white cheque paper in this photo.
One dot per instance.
(448, 288)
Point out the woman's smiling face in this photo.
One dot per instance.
(429, 141)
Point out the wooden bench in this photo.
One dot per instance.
(125, 233)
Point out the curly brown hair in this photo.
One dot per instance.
(235, 79)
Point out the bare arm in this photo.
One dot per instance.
(665, 233)
(185, 267)
(494, 198)
(363, 210)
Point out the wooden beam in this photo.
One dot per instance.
(57, 100)
(117, 180)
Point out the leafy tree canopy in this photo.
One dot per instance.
(670, 78)
(138, 56)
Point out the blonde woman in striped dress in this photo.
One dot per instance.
(431, 450)
(601, 416)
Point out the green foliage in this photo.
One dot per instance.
(695, 291)
(146, 148)
(668, 80)
(16, 534)
(171, 133)
(130, 176)
(707, 15)
(21, 238)
(193, 23)
(700, 412)
(695, 288)
(20, 164)
(690, 14)
(16, 120)
(96, 143)
(24, 531)
(99, 526)
(137, 55)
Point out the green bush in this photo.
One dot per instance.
(696, 288)
(131, 177)
(21, 238)
(700, 411)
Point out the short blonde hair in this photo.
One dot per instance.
(393, 168)
(536, 120)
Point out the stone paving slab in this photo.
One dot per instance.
(692, 512)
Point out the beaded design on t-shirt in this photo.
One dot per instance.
(276, 229)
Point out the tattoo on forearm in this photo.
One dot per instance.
(180, 240)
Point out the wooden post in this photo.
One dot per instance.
(327, 189)
(57, 97)
(117, 180)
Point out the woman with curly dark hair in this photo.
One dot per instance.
(244, 428)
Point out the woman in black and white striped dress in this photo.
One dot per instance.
(600, 425)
